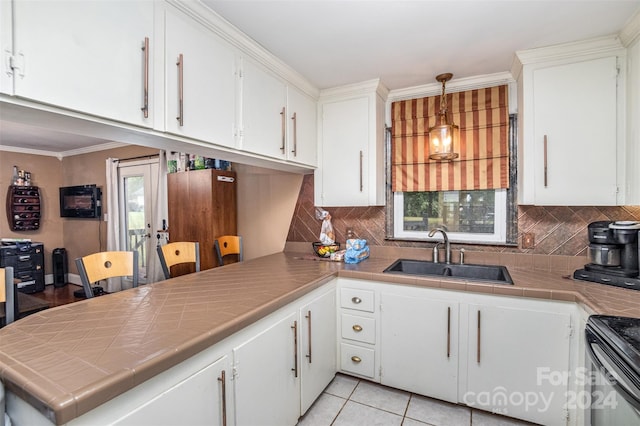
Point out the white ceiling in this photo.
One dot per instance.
(404, 43)
(408, 43)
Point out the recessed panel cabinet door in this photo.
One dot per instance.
(200, 82)
(85, 56)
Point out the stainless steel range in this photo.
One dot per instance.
(613, 253)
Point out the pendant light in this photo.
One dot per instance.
(444, 135)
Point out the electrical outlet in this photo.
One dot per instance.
(528, 240)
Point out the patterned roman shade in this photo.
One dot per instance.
(483, 117)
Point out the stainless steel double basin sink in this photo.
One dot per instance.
(493, 274)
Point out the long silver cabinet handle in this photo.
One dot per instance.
(294, 117)
(180, 65)
(294, 327)
(145, 100)
(478, 353)
(223, 395)
(283, 119)
(448, 332)
(308, 317)
(546, 164)
(361, 183)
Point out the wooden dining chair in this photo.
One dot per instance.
(8, 295)
(177, 253)
(107, 264)
(228, 245)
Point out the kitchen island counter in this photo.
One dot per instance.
(70, 359)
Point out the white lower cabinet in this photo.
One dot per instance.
(317, 346)
(419, 343)
(515, 357)
(359, 333)
(267, 388)
(199, 399)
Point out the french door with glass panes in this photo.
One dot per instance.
(138, 184)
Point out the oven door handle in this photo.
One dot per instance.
(592, 339)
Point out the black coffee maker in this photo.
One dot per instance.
(613, 254)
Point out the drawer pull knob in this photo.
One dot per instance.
(356, 300)
(356, 359)
(357, 328)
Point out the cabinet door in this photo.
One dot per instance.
(201, 82)
(317, 346)
(575, 112)
(264, 116)
(419, 345)
(267, 388)
(342, 179)
(197, 400)
(514, 359)
(302, 135)
(84, 56)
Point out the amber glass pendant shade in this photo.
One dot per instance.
(444, 135)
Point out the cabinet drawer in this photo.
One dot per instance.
(357, 360)
(353, 298)
(358, 328)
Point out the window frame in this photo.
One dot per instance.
(499, 235)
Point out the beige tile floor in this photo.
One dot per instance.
(349, 401)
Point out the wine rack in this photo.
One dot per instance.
(24, 208)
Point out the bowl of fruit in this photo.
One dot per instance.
(325, 250)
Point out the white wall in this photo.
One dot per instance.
(266, 203)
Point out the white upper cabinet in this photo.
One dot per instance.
(264, 115)
(201, 89)
(278, 120)
(302, 135)
(572, 139)
(86, 56)
(351, 146)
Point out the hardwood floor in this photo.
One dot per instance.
(57, 296)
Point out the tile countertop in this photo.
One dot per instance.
(70, 359)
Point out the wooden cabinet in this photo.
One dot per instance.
(278, 120)
(419, 343)
(201, 81)
(202, 206)
(317, 346)
(351, 156)
(83, 56)
(514, 358)
(572, 139)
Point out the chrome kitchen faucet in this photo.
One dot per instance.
(447, 246)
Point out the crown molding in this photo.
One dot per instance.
(594, 46)
(631, 31)
(356, 89)
(457, 85)
(198, 11)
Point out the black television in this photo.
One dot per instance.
(81, 201)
